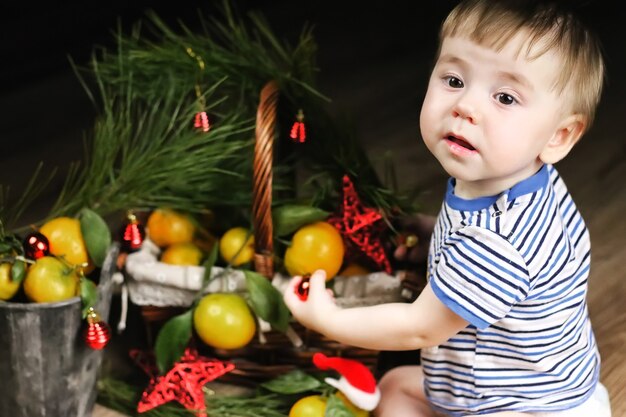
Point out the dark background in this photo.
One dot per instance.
(373, 61)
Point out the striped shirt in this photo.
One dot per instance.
(515, 266)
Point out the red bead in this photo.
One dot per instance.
(302, 290)
(36, 245)
(97, 335)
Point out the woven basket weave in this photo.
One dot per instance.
(273, 352)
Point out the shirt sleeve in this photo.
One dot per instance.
(479, 275)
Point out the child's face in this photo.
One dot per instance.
(487, 115)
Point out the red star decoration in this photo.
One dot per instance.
(360, 226)
(182, 383)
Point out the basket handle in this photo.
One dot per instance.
(262, 180)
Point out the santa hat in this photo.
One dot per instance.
(357, 382)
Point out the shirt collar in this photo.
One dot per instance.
(529, 185)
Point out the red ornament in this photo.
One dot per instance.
(36, 245)
(133, 234)
(201, 121)
(298, 133)
(302, 290)
(182, 383)
(360, 226)
(98, 333)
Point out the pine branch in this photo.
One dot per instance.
(143, 152)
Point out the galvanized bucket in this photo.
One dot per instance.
(46, 370)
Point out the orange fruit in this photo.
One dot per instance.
(224, 321)
(315, 246)
(354, 269)
(185, 253)
(237, 246)
(49, 280)
(166, 227)
(66, 240)
(8, 286)
(310, 406)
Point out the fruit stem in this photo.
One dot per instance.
(25, 260)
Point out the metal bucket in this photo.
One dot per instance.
(46, 369)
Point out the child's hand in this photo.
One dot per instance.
(415, 231)
(319, 305)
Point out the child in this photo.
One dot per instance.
(503, 322)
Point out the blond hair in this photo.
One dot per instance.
(494, 23)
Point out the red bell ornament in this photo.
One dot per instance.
(133, 234)
(298, 130)
(302, 290)
(36, 245)
(98, 332)
(201, 121)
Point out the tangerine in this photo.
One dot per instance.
(166, 227)
(50, 280)
(237, 246)
(354, 269)
(66, 240)
(8, 286)
(315, 246)
(310, 406)
(185, 253)
(224, 321)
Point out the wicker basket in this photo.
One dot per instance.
(272, 352)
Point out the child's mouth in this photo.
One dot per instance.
(461, 142)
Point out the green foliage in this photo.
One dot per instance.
(172, 340)
(96, 235)
(18, 271)
(12, 211)
(274, 398)
(266, 301)
(208, 265)
(288, 218)
(336, 408)
(123, 397)
(88, 295)
(294, 382)
(144, 153)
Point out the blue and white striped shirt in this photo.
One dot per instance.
(515, 266)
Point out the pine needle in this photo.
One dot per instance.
(124, 397)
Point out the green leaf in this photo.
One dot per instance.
(5, 247)
(289, 218)
(88, 294)
(18, 271)
(96, 234)
(172, 340)
(294, 382)
(208, 265)
(337, 408)
(16, 244)
(266, 301)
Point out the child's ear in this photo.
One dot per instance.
(565, 137)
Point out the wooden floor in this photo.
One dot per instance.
(374, 65)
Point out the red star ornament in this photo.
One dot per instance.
(360, 226)
(182, 383)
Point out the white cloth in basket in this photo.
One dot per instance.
(154, 283)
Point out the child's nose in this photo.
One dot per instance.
(466, 110)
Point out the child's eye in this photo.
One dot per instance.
(506, 99)
(454, 82)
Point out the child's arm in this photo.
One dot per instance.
(395, 326)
